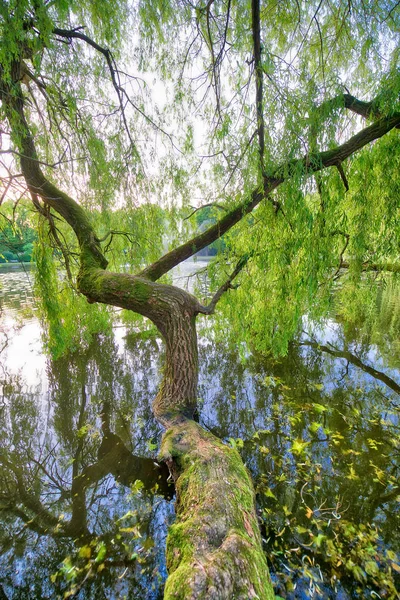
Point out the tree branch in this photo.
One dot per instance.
(69, 34)
(311, 163)
(210, 308)
(360, 107)
(342, 174)
(38, 184)
(258, 70)
(209, 204)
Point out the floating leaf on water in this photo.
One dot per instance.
(269, 493)
(314, 427)
(298, 446)
(101, 552)
(85, 552)
(137, 486)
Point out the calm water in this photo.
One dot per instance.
(319, 431)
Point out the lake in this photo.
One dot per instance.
(318, 430)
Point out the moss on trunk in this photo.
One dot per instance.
(214, 548)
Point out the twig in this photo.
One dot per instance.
(69, 34)
(210, 308)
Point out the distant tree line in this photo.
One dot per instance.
(16, 239)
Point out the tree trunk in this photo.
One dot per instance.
(214, 547)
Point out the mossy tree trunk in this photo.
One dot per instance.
(214, 547)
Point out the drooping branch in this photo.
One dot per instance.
(13, 104)
(123, 97)
(78, 219)
(342, 174)
(69, 34)
(311, 163)
(258, 70)
(343, 250)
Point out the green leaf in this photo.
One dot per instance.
(298, 446)
(101, 552)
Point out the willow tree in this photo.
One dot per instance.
(281, 116)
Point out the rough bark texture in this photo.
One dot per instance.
(214, 547)
(173, 311)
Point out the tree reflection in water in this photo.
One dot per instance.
(83, 511)
(84, 505)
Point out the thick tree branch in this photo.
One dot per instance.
(214, 545)
(311, 163)
(368, 110)
(188, 249)
(13, 103)
(317, 161)
(364, 109)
